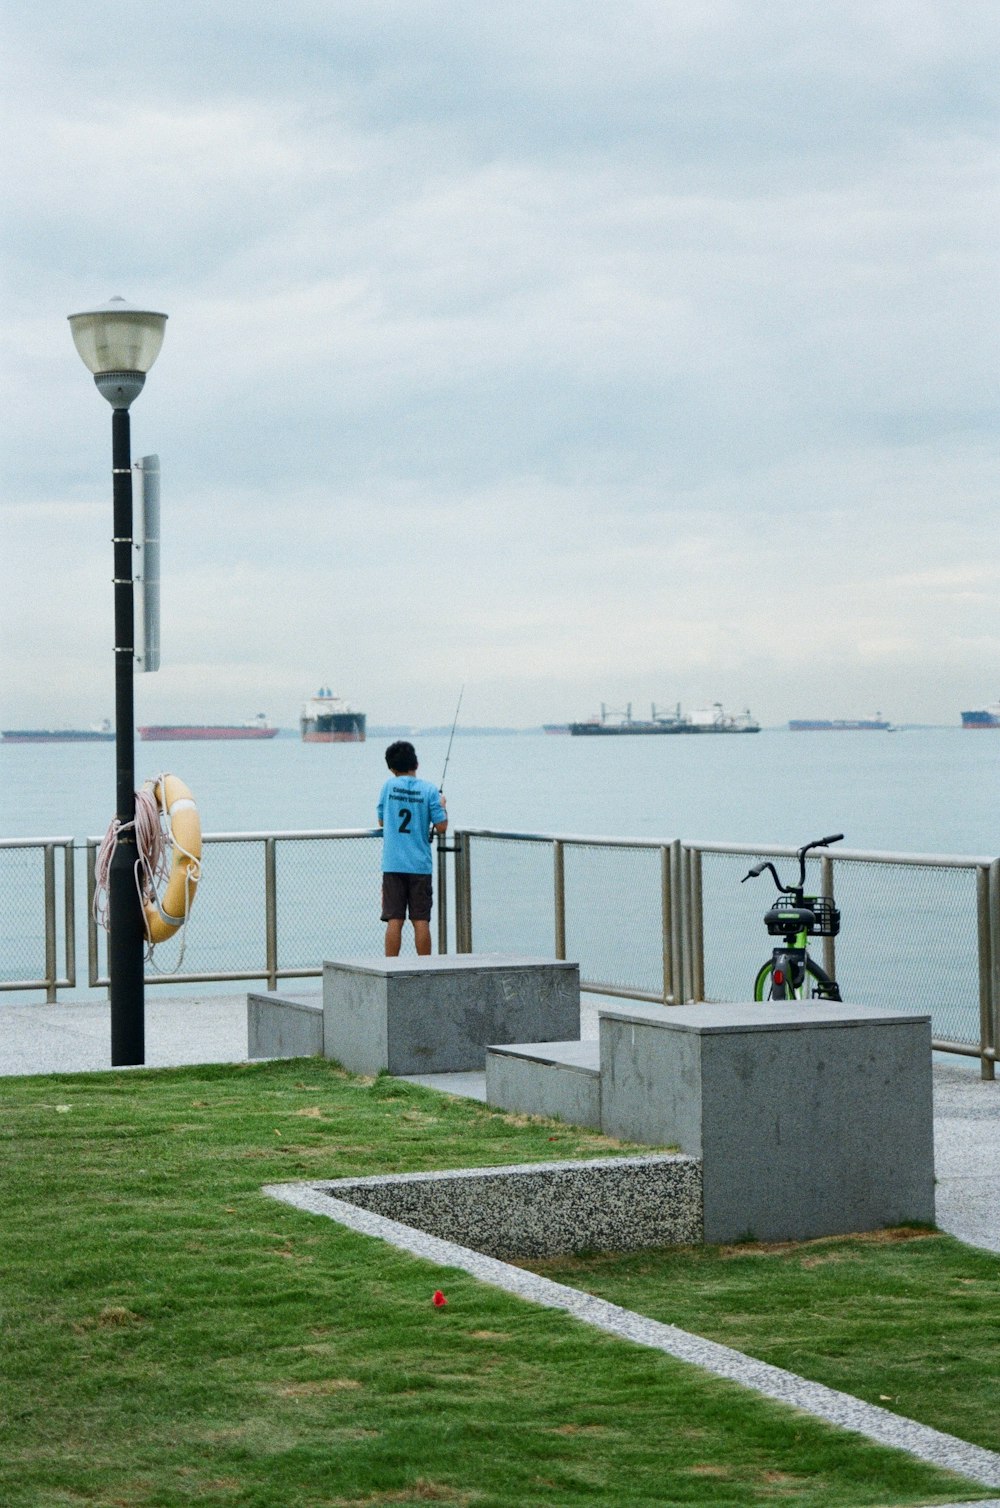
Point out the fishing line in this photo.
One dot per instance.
(450, 740)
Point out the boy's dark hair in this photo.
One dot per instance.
(401, 757)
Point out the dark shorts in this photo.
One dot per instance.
(400, 891)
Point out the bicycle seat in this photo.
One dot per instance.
(782, 920)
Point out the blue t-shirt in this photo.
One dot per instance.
(408, 808)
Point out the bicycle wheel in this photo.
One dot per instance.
(817, 984)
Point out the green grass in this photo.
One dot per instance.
(906, 1319)
(171, 1337)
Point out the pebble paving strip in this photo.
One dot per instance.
(841, 1409)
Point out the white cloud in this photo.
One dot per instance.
(584, 346)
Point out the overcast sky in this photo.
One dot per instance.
(574, 352)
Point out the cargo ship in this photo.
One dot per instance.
(327, 719)
(257, 727)
(876, 724)
(713, 719)
(102, 734)
(983, 717)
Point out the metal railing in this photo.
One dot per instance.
(920, 931)
(660, 921)
(281, 901)
(30, 936)
(633, 953)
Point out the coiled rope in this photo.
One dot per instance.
(154, 844)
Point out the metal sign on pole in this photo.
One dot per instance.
(146, 535)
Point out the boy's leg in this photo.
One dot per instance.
(393, 912)
(421, 901)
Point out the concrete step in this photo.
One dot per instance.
(284, 1026)
(561, 1080)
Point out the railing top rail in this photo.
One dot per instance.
(859, 855)
(294, 834)
(572, 838)
(35, 842)
(779, 850)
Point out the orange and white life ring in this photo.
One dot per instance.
(164, 917)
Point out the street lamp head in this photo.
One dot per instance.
(119, 345)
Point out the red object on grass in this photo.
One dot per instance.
(439, 1299)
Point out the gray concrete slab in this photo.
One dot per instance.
(439, 1014)
(284, 1026)
(561, 1080)
(810, 1122)
(967, 1154)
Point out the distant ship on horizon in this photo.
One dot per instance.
(102, 733)
(713, 719)
(327, 719)
(983, 717)
(874, 724)
(256, 727)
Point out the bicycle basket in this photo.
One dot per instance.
(817, 915)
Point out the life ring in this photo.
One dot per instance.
(165, 917)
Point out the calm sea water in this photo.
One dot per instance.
(915, 791)
(929, 791)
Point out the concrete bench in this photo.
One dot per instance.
(284, 1026)
(439, 1014)
(810, 1120)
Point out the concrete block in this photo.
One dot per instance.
(557, 1079)
(810, 1120)
(284, 1026)
(439, 1014)
(543, 1209)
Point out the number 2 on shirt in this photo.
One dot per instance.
(405, 818)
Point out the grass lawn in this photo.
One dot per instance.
(171, 1337)
(906, 1319)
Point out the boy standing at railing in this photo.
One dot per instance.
(410, 811)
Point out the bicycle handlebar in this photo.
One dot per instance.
(822, 842)
(758, 869)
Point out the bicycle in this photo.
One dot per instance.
(790, 974)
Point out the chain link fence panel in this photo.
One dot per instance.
(22, 885)
(329, 900)
(908, 938)
(321, 899)
(513, 889)
(34, 916)
(611, 898)
(614, 917)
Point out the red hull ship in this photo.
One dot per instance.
(198, 732)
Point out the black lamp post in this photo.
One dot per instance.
(119, 345)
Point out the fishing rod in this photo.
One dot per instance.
(450, 740)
